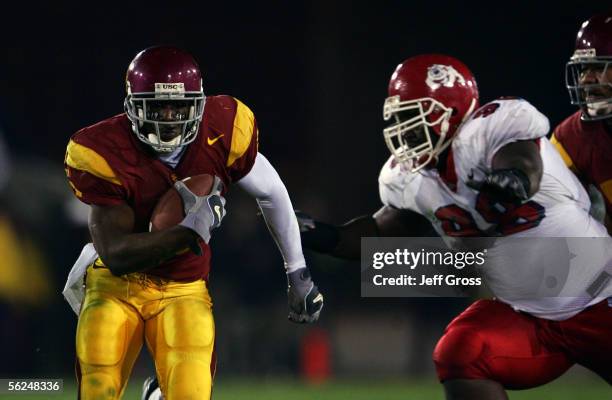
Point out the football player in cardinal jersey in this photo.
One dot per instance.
(143, 286)
(472, 171)
(584, 139)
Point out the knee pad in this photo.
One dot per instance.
(189, 379)
(99, 386)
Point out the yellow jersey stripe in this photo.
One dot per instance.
(566, 158)
(77, 192)
(85, 159)
(606, 189)
(242, 134)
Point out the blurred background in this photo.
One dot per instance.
(315, 73)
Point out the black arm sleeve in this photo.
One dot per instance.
(345, 241)
(322, 239)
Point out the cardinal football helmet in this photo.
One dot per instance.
(429, 96)
(165, 100)
(587, 74)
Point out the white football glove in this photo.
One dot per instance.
(305, 301)
(202, 213)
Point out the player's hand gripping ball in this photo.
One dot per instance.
(195, 203)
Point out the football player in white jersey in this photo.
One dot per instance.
(470, 171)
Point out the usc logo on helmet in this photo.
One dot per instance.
(170, 87)
(443, 75)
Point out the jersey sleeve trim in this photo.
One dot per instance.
(76, 191)
(85, 159)
(566, 157)
(243, 132)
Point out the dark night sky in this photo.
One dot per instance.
(315, 73)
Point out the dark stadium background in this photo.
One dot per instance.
(315, 74)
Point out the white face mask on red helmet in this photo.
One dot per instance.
(429, 97)
(171, 77)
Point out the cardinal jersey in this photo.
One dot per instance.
(586, 148)
(107, 165)
(559, 208)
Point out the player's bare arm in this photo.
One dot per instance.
(523, 156)
(516, 173)
(344, 241)
(124, 251)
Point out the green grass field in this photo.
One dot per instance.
(564, 389)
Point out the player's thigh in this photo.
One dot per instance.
(181, 340)
(491, 341)
(108, 341)
(588, 338)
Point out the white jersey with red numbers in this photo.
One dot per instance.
(558, 209)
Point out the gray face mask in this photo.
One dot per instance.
(165, 121)
(586, 78)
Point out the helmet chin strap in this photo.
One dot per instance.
(167, 146)
(444, 127)
(599, 108)
(469, 111)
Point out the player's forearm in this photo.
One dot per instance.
(345, 241)
(264, 184)
(340, 241)
(142, 251)
(284, 229)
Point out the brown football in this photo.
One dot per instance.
(169, 209)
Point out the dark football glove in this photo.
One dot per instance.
(504, 185)
(202, 213)
(305, 221)
(316, 235)
(305, 301)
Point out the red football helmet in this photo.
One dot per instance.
(588, 75)
(430, 92)
(165, 100)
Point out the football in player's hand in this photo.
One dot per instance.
(169, 210)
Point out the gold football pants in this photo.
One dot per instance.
(118, 313)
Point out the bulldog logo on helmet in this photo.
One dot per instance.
(443, 75)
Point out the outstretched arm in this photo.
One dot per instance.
(344, 241)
